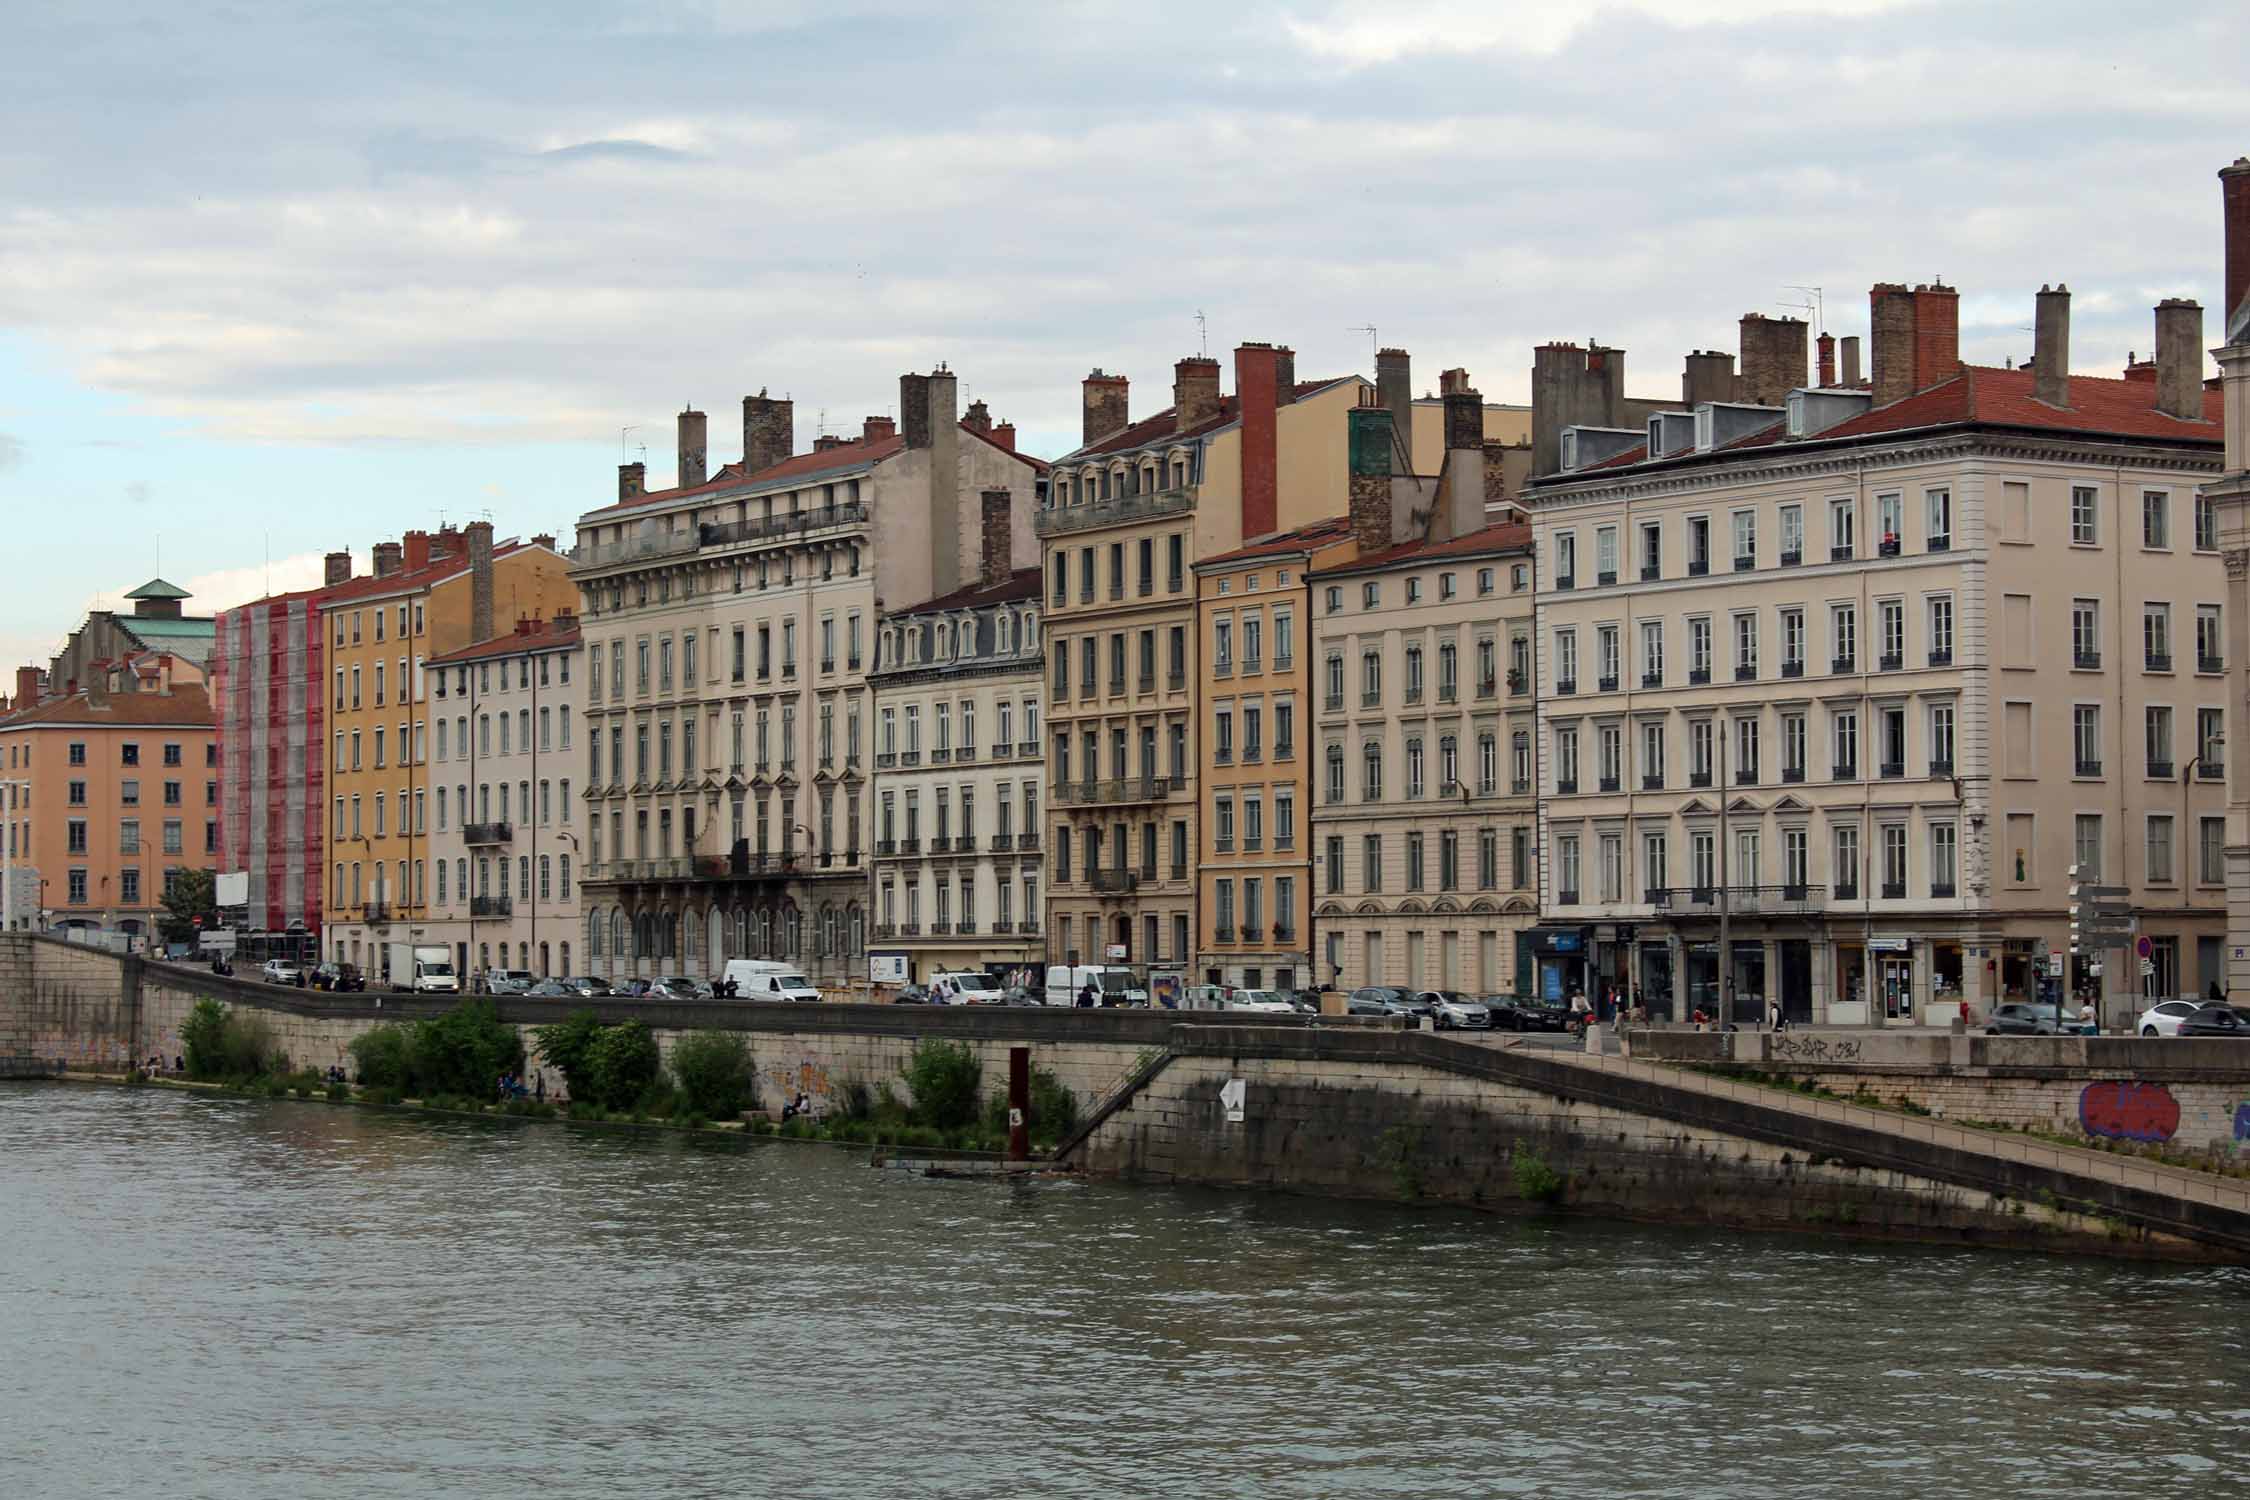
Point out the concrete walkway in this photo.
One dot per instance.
(2120, 1171)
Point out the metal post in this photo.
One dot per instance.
(1726, 928)
(1019, 1104)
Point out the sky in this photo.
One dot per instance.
(277, 279)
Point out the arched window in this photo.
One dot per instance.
(692, 940)
(858, 923)
(765, 932)
(594, 921)
(793, 922)
(564, 955)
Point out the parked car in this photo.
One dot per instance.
(911, 994)
(551, 989)
(2216, 1020)
(2020, 1018)
(1456, 1011)
(1304, 1002)
(678, 987)
(631, 989)
(1021, 994)
(508, 981)
(1527, 1013)
(282, 971)
(1384, 1000)
(2164, 1017)
(585, 987)
(1262, 1002)
(340, 977)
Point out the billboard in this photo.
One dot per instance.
(233, 889)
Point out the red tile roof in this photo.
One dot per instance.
(1159, 428)
(1303, 539)
(1506, 536)
(852, 454)
(185, 706)
(542, 636)
(1023, 583)
(439, 570)
(2100, 406)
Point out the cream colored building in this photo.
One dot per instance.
(958, 868)
(1129, 514)
(505, 850)
(1873, 671)
(730, 625)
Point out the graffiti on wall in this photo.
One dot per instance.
(807, 1077)
(2129, 1111)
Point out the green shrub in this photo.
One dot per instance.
(568, 1046)
(338, 1093)
(1535, 1180)
(233, 1045)
(715, 1075)
(384, 1057)
(465, 1051)
(945, 1080)
(203, 1038)
(621, 1065)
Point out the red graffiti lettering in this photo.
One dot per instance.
(2129, 1111)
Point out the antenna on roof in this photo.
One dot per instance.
(1369, 330)
(1202, 333)
(624, 436)
(1811, 304)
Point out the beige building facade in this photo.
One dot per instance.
(1873, 670)
(958, 869)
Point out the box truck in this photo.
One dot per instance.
(424, 969)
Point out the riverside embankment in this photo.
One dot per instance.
(1337, 1108)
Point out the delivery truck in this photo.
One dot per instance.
(424, 969)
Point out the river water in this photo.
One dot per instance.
(208, 1297)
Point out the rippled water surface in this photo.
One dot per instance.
(215, 1297)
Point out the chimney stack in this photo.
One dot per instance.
(2179, 358)
(1257, 377)
(875, 429)
(2050, 346)
(1571, 387)
(1284, 375)
(1709, 376)
(417, 551)
(447, 543)
(1773, 358)
(978, 418)
(1369, 459)
(1394, 387)
(769, 431)
(996, 559)
(1464, 456)
(1937, 334)
(480, 580)
(1105, 406)
(388, 557)
(2234, 189)
(929, 415)
(1890, 324)
(336, 568)
(632, 481)
(544, 539)
(1004, 433)
(1826, 345)
(1851, 360)
(695, 448)
(1195, 392)
(27, 686)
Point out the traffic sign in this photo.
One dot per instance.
(2100, 892)
(2148, 967)
(2144, 948)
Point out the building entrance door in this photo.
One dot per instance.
(1894, 980)
(1795, 960)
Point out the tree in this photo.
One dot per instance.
(192, 894)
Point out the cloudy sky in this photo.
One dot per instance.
(277, 278)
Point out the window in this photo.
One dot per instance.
(2157, 725)
(1845, 870)
(1745, 540)
(1792, 534)
(1652, 550)
(1699, 650)
(1566, 560)
(1414, 674)
(1699, 752)
(1793, 643)
(2082, 528)
(2156, 519)
(1652, 755)
(1370, 678)
(1371, 862)
(1941, 739)
(1370, 595)
(1484, 582)
(1745, 647)
(1843, 630)
(1843, 529)
(1415, 768)
(1793, 746)
(1698, 546)
(1746, 742)
(1894, 861)
(2206, 525)
(2211, 851)
(2086, 846)
(1656, 866)
(1652, 653)
(1937, 506)
(1414, 591)
(1844, 732)
(1610, 752)
(1889, 525)
(2159, 849)
(2210, 725)
(1371, 771)
(2210, 652)
(1944, 858)
(2085, 634)
(2156, 637)
(1941, 629)
(1566, 760)
(1566, 868)
(1566, 660)
(1605, 554)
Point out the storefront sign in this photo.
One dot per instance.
(1888, 944)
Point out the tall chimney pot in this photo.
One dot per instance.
(1708, 376)
(694, 448)
(1826, 345)
(2050, 346)
(996, 553)
(1394, 388)
(2234, 189)
(769, 431)
(480, 580)
(1104, 400)
(2179, 358)
(417, 556)
(1851, 360)
(1004, 433)
(336, 567)
(388, 558)
(1369, 476)
(1195, 392)
(1890, 324)
(1773, 358)
(632, 481)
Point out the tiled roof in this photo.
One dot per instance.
(543, 636)
(405, 581)
(1023, 583)
(157, 588)
(1303, 539)
(1504, 537)
(854, 454)
(1159, 428)
(185, 706)
(2100, 406)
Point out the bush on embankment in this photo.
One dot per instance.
(460, 1054)
(226, 1045)
(1053, 1113)
(606, 1067)
(715, 1076)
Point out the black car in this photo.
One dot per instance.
(1527, 1013)
(2019, 1018)
(340, 977)
(2216, 1020)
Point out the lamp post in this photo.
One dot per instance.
(2208, 751)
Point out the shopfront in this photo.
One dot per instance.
(1558, 956)
(1654, 992)
(1891, 964)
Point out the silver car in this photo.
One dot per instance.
(1456, 1011)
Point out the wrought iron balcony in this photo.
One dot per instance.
(491, 906)
(1121, 789)
(1741, 900)
(375, 911)
(1114, 882)
(1060, 519)
(475, 834)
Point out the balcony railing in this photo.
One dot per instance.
(2160, 770)
(1119, 789)
(2158, 661)
(2086, 661)
(1003, 842)
(2209, 664)
(491, 906)
(1742, 900)
(1253, 934)
(1027, 749)
(1060, 519)
(2089, 767)
(1114, 882)
(1890, 661)
(1792, 559)
(474, 834)
(375, 911)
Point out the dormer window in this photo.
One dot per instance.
(1795, 406)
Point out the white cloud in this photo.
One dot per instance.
(1359, 35)
(225, 588)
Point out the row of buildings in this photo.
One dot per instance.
(1820, 682)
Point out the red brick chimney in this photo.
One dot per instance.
(1937, 334)
(1195, 392)
(417, 554)
(978, 418)
(1890, 326)
(1004, 433)
(632, 481)
(1826, 344)
(875, 429)
(27, 686)
(336, 567)
(1257, 387)
(388, 557)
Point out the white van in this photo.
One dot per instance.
(767, 979)
(967, 987)
(1114, 984)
